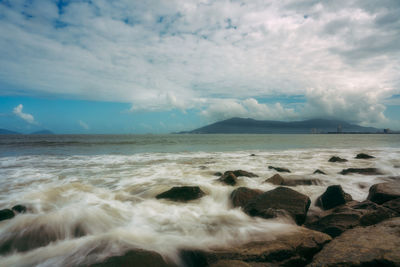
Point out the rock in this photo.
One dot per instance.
(337, 159)
(364, 171)
(242, 195)
(218, 174)
(19, 208)
(393, 205)
(238, 173)
(252, 155)
(318, 171)
(383, 192)
(230, 263)
(183, 193)
(332, 197)
(6, 214)
(275, 179)
(228, 178)
(278, 169)
(364, 156)
(291, 249)
(136, 257)
(270, 204)
(378, 215)
(377, 245)
(335, 224)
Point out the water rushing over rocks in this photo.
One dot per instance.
(81, 209)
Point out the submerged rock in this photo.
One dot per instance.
(136, 257)
(19, 208)
(279, 180)
(377, 245)
(380, 193)
(6, 214)
(291, 249)
(217, 173)
(182, 193)
(228, 178)
(318, 171)
(238, 173)
(332, 197)
(272, 203)
(364, 171)
(276, 179)
(278, 169)
(337, 159)
(241, 196)
(364, 156)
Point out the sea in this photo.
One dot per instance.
(89, 197)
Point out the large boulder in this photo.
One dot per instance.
(377, 245)
(228, 178)
(383, 192)
(272, 203)
(238, 173)
(136, 257)
(364, 171)
(337, 159)
(6, 214)
(364, 156)
(295, 248)
(278, 169)
(182, 193)
(241, 196)
(332, 197)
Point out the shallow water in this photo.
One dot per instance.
(93, 196)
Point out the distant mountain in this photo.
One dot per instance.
(240, 125)
(5, 131)
(43, 132)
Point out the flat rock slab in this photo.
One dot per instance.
(295, 248)
(279, 180)
(383, 192)
(238, 173)
(271, 203)
(363, 171)
(278, 169)
(377, 245)
(337, 159)
(182, 193)
(364, 156)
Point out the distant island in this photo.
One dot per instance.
(43, 132)
(251, 126)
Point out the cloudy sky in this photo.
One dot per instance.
(158, 66)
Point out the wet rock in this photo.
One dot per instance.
(238, 173)
(364, 156)
(383, 192)
(377, 216)
(276, 179)
(182, 193)
(393, 205)
(364, 171)
(377, 245)
(279, 180)
(19, 208)
(135, 257)
(337, 159)
(291, 249)
(271, 203)
(278, 169)
(252, 155)
(332, 197)
(230, 263)
(242, 196)
(6, 214)
(335, 224)
(228, 178)
(318, 171)
(217, 173)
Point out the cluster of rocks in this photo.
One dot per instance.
(6, 214)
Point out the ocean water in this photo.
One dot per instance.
(93, 196)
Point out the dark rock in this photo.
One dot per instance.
(364, 156)
(252, 155)
(218, 174)
(335, 224)
(19, 208)
(377, 245)
(364, 171)
(380, 193)
(242, 195)
(228, 178)
(332, 197)
(293, 249)
(318, 171)
(376, 216)
(230, 263)
(135, 257)
(393, 205)
(278, 169)
(6, 214)
(281, 198)
(238, 173)
(337, 159)
(182, 193)
(275, 179)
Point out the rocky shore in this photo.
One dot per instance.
(340, 232)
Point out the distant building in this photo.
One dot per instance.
(339, 128)
(386, 131)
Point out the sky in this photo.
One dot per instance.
(161, 66)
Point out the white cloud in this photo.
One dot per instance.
(84, 125)
(25, 116)
(161, 55)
